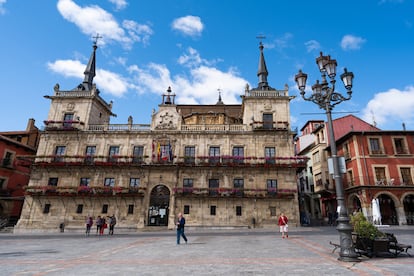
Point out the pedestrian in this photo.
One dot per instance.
(180, 228)
(112, 222)
(98, 225)
(103, 225)
(283, 225)
(89, 223)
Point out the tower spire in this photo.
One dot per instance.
(262, 72)
(91, 67)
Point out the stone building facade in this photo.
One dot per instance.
(221, 165)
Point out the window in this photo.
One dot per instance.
(270, 154)
(187, 185)
(272, 211)
(186, 209)
(113, 153)
(105, 209)
(46, 208)
(374, 144)
(109, 182)
(60, 150)
(345, 148)
(350, 178)
(212, 210)
(130, 209)
(189, 155)
(138, 154)
(2, 183)
(267, 121)
(7, 161)
(68, 120)
(238, 184)
(318, 179)
(134, 182)
(214, 155)
(380, 176)
(53, 181)
(90, 152)
(407, 179)
(238, 155)
(316, 157)
(79, 209)
(213, 185)
(399, 146)
(271, 186)
(238, 211)
(85, 181)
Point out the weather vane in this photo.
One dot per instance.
(261, 36)
(96, 38)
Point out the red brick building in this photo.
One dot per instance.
(379, 165)
(14, 172)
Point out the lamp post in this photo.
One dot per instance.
(326, 98)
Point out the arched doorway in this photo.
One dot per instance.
(388, 212)
(159, 206)
(409, 209)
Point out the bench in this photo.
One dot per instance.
(395, 247)
(370, 248)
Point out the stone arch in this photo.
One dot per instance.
(159, 206)
(388, 207)
(408, 206)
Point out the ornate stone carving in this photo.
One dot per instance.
(166, 121)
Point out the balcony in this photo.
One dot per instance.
(63, 125)
(74, 191)
(235, 192)
(280, 125)
(203, 161)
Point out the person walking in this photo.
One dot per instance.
(180, 228)
(98, 223)
(112, 222)
(89, 223)
(103, 226)
(283, 225)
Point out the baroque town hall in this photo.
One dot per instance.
(221, 165)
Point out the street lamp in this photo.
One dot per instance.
(326, 98)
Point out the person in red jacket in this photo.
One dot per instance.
(283, 225)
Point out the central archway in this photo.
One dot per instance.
(159, 206)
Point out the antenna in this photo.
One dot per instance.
(373, 119)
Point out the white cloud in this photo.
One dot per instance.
(106, 81)
(193, 59)
(201, 87)
(93, 19)
(391, 108)
(312, 45)
(119, 4)
(2, 9)
(350, 42)
(283, 42)
(188, 25)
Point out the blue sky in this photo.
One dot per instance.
(200, 47)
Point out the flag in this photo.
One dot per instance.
(159, 151)
(170, 152)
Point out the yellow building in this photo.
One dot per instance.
(220, 165)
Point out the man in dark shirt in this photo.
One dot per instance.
(180, 228)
